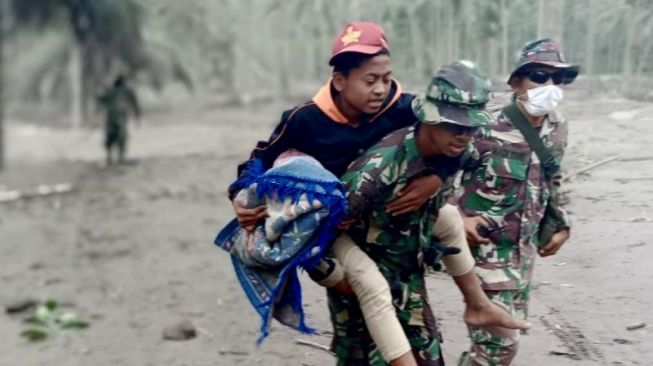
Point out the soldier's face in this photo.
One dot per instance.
(366, 87)
(535, 77)
(447, 138)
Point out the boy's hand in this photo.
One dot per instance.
(346, 224)
(248, 217)
(415, 194)
(473, 237)
(552, 247)
(343, 288)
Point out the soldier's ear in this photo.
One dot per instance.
(339, 81)
(516, 83)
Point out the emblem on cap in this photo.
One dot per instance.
(352, 36)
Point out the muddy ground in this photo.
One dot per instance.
(130, 249)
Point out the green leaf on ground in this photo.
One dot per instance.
(34, 335)
(33, 319)
(49, 318)
(75, 324)
(44, 313)
(51, 304)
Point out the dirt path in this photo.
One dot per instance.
(130, 250)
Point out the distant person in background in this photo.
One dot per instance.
(118, 100)
(513, 194)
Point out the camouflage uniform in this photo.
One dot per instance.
(504, 182)
(118, 101)
(507, 186)
(397, 243)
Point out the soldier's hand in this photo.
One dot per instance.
(557, 241)
(414, 195)
(249, 217)
(473, 237)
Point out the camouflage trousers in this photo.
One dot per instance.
(494, 346)
(115, 134)
(353, 345)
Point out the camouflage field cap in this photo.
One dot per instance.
(545, 52)
(457, 94)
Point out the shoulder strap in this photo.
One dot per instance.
(549, 164)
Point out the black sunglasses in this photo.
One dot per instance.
(458, 130)
(541, 77)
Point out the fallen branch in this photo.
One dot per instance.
(42, 190)
(590, 167)
(626, 180)
(563, 353)
(314, 345)
(205, 332)
(233, 352)
(638, 158)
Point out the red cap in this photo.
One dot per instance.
(361, 37)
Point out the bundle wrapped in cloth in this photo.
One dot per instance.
(305, 203)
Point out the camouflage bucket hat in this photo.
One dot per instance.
(457, 94)
(545, 52)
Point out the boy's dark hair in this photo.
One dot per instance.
(345, 62)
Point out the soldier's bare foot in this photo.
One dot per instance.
(491, 314)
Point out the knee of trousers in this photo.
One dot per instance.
(502, 341)
(449, 226)
(492, 355)
(364, 276)
(372, 291)
(375, 301)
(450, 231)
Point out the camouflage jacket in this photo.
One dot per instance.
(395, 243)
(118, 102)
(372, 181)
(503, 181)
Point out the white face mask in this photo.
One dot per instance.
(542, 100)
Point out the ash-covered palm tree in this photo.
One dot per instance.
(106, 39)
(106, 34)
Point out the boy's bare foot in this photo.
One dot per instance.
(479, 310)
(491, 314)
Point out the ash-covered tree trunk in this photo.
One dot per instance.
(589, 45)
(4, 10)
(76, 100)
(503, 13)
(541, 18)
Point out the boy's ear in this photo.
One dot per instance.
(514, 80)
(339, 81)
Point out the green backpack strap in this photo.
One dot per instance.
(549, 164)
